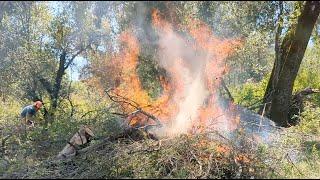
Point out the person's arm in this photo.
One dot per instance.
(30, 119)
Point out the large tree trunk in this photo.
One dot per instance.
(292, 51)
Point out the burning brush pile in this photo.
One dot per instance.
(189, 103)
(187, 132)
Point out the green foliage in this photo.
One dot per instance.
(310, 122)
(232, 19)
(309, 71)
(252, 60)
(29, 148)
(249, 93)
(9, 111)
(149, 72)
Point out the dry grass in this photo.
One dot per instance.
(187, 156)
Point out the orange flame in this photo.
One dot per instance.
(189, 100)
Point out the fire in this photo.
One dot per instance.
(223, 149)
(242, 159)
(130, 85)
(195, 64)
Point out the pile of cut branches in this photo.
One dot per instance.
(186, 156)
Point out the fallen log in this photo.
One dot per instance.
(81, 137)
(297, 107)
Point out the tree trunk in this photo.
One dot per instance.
(58, 80)
(276, 66)
(57, 85)
(293, 48)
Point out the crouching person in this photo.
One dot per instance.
(28, 114)
(80, 138)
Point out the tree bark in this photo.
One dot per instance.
(276, 66)
(58, 80)
(293, 48)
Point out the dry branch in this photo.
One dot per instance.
(132, 133)
(226, 89)
(123, 100)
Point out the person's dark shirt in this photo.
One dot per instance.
(28, 110)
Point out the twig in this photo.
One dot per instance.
(125, 100)
(133, 104)
(264, 108)
(209, 166)
(200, 164)
(98, 110)
(289, 159)
(226, 89)
(69, 99)
(255, 105)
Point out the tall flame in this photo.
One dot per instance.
(195, 63)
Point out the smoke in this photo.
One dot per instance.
(175, 57)
(186, 67)
(141, 23)
(194, 94)
(194, 61)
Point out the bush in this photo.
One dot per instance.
(250, 93)
(296, 152)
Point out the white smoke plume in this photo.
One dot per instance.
(180, 60)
